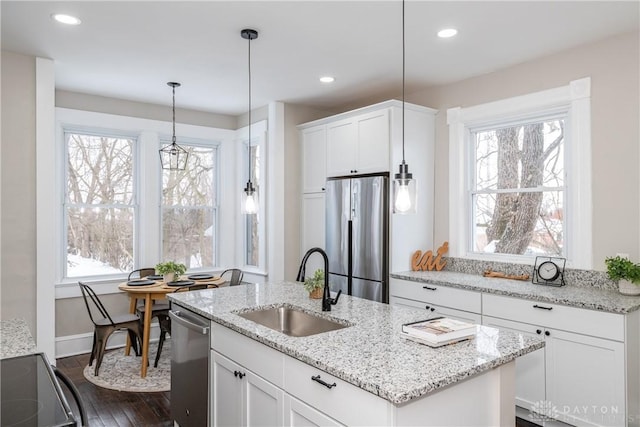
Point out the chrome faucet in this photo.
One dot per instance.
(327, 301)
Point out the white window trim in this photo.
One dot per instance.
(576, 99)
(259, 138)
(150, 133)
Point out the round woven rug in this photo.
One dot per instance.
(122, 373)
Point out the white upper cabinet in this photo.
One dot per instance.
(359, 144)
(314, 153)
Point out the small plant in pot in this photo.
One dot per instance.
(315, 284)
(170, 270)
(626, 273)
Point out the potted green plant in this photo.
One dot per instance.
(170, 270)
(315, 284)
(626, 273)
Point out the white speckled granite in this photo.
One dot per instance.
(581, 278)
(593, 298)
(369, 354)
(15, 339)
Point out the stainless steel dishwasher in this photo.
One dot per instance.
(190, 349)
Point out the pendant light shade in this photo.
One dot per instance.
(250, 194)
(173, 156)
(404, 186)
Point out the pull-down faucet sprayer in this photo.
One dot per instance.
(327, 301)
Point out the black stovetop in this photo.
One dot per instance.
(30, 394)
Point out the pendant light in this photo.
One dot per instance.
(404, 186)
(173, 156)
(250, 195)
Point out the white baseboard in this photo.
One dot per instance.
(71, 345)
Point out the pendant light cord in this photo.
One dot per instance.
(173, 140)
(403, 80)
(249, 108)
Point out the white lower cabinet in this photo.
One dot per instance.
(576, 378)
(242, 398)
(299, 414)
(255, 385)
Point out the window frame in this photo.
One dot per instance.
(575, 100)
(147, 172)
(258, 138)
(110, 133)
(194, 142)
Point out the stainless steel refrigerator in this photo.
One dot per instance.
(357, 224)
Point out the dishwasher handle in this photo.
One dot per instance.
(176, 316)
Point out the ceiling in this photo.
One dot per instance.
(129, 50)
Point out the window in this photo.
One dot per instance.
(252, 232)
(517, 195)
(99, 211)
(189, 209)
(520, 172)
(122, 211)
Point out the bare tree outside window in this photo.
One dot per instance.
(99, 211)
(189, 210)
(518, 191)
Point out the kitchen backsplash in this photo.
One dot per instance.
(572, 277)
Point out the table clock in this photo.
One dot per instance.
(549, 271)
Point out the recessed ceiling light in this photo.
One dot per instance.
(327, 79)
(447, 32)
(66, 19)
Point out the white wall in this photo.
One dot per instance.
(17, 191)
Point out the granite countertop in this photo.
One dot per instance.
(15, 339)
(575, 296)
(369, 354)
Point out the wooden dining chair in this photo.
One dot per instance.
(165, 321)
(235, 276)
(105, 324)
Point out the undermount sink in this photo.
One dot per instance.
(292, 321)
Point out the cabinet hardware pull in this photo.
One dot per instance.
(542, 307)
(238, 374)
(430, 288)
(318, 380)
(547, 333)
(538, 331)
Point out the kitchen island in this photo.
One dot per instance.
(381, 378)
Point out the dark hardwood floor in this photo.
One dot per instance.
(110, 408)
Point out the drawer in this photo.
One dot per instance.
(343, 402)
(444, 296)
(555, 316)
(257, 357)
(465, 316)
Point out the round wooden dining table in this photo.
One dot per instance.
(154, 292)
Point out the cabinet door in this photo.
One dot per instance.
(227, 392)
(299, 414)
(314, 153)
(342, 144)
(372, 154)
(586, 378)
(264, 402)
(312, 229)
(530, 368)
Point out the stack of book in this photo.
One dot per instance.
(439, 331)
